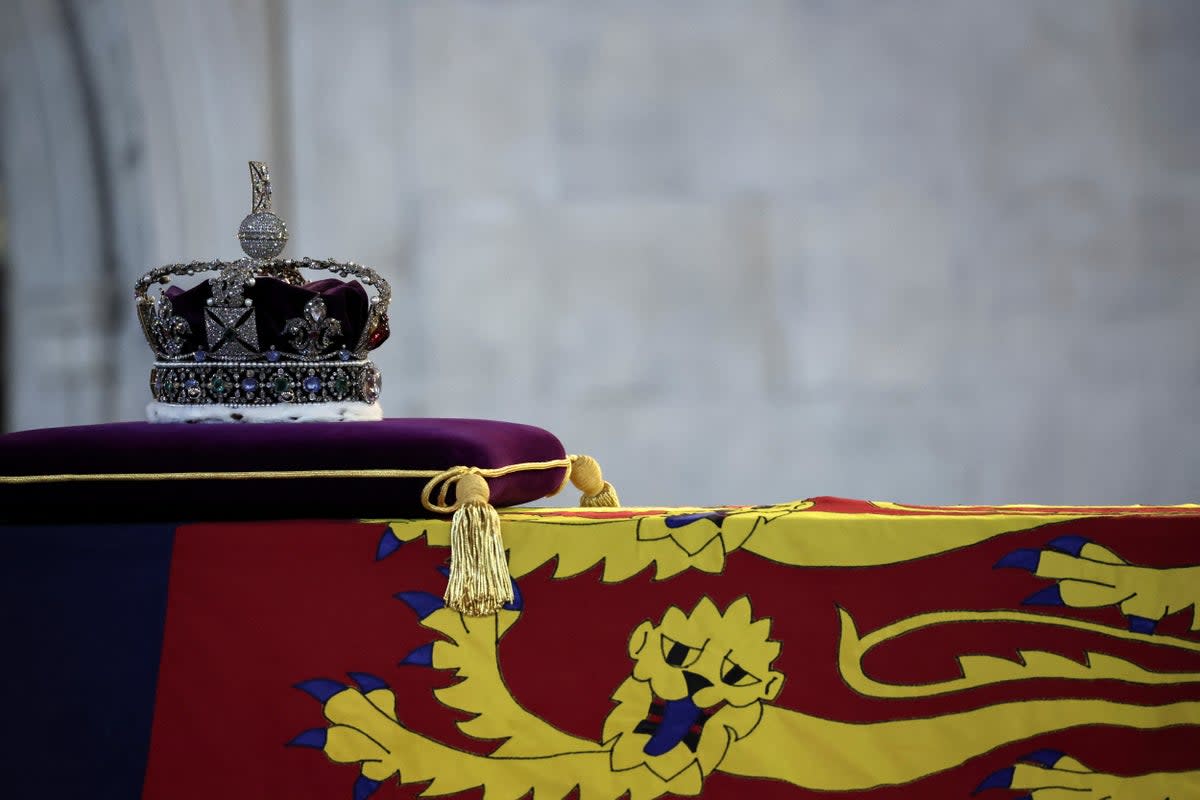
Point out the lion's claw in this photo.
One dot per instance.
(420, 657)
(1053, 771)
(1046, 596)
(313, 737)
(320, 689)
(1026, 558)
(423, 603)
(1046, 757)
(679, 520)
(1000, 779)
(388, 544)
(367, 682)
(1071, 545)
(364, 787)
(518, 602)
(1089, 575)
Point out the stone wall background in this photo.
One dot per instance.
(935, 251)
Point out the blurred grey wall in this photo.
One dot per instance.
(941, 251)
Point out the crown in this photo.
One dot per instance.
(255, 341)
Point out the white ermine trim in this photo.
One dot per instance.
(279, 412)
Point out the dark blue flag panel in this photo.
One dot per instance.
(82, 611)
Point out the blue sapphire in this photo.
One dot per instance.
(272, 355)
(200, 355)
(344, 354)
(249, 385)
(312, 384)
(191, 383)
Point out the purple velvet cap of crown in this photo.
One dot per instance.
(275, 303)
(418, 444)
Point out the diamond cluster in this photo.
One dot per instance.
(263, 235)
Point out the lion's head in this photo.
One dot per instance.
(699, 680)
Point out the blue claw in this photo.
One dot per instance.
(1045, 757)
(367, 682)
(1071, 545)
(679, 520)
(1142, 624)
(1025, 558)
(1000, 779)
(444, 570)
(518, 601)
(388, 544)
(314, 738)
(423, 603)
(1049, 596)
(421, 657)
(321, 688)
(364, 787)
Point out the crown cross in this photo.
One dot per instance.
(260, 188)
(232, 332)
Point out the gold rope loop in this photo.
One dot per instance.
(442, 481)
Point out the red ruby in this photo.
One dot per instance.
(380, 334)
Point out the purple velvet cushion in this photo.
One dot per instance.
(418, 444)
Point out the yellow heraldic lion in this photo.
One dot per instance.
(1085, 575)
(699, 699)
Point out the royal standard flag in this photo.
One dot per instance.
(819, 649)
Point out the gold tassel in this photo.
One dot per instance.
(596, 492)
(480, 584)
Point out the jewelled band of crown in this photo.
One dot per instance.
(256, 384)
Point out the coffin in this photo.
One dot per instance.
(826, 648)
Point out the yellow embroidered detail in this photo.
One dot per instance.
(790, 533)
